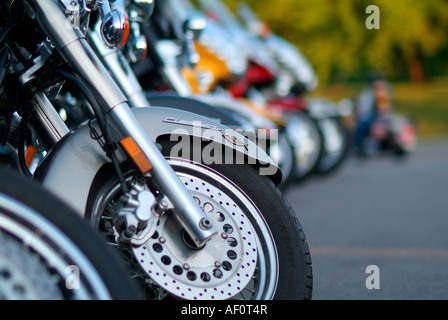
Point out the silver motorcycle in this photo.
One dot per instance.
(190, 204)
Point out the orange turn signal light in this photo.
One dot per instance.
(136, 154)
(125, 31)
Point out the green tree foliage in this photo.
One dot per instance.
(334, 37)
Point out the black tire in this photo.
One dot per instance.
(274, 222)
(331, 161)
(69, 240)
(295, 278)
(285, 159)
(314, 134)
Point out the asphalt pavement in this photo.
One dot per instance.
(378, 228)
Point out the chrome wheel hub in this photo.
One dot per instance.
(305, 142)
(333, 138)
(22, 275)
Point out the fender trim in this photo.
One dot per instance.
(195, 106)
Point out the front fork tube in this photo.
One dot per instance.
(120, 70)
(46, 121)
(74, 48)
(125, 77)
(187, 211)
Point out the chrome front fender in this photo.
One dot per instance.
(72, 165)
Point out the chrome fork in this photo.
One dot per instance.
(74, 48)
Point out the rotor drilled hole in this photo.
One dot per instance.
(191, 276)
(178, 270)
(166, 260)
(227, 266)
(232, 242)
(232, 255)
(228, 228)
(205, 277)
(5, 274)
(157, 247)
(20, 289)
(220, 217)
(217, 273)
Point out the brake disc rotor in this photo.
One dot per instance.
(218, 270)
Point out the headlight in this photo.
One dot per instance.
(219, 42)
(293, 60)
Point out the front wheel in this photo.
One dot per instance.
(259, 252)
(336, 140)
(47, 252)
(307, 139)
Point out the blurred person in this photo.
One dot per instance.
(373, 103)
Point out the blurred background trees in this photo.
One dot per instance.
(411, 43)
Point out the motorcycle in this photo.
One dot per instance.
(299, 143)
(219, 67)
(168, 56)
(47, 252)
(287, 87)
(395, 133)
(191, 205)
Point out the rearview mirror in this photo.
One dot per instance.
(146, 6)
(194, 25)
